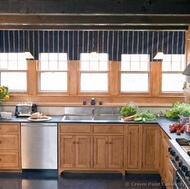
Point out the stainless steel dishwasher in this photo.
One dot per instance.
(39, 145)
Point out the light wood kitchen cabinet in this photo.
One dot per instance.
(142, 147)
(10, 158)
(91, 147)
(166, 169)
(108, 152)
(74, 147)
(133, 142)
(108, 147)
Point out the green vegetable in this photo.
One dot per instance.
(128, 111)
(145, 116)
(178, 109)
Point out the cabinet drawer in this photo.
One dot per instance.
(9, 142)
(109, 129)
(9, 159)
(75, 128)
(9, 128)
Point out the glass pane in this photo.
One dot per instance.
(144, 66)
(15, 81)
(94, 82)
(3, 56)
(12, 56)
(53, 56)
(13, 61)
(43, 56)
(126, 57)
(103, 66)
(62, 65)
(62, 56)
(94, 61)
(12, 65)
(94, 65)
(135, 62)
(135, 66)
(134, 82)
(53, 65)
(84, 65)
(53, 81)
(103, 56)
(84, 56)
(172, 82)
(166, 66)
(176, 66)
(125, 66)
(22, 65)
(173, 62)
(44, 65)
(3, 65)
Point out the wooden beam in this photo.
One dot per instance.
(93, 21)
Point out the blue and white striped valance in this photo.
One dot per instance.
(114, 43)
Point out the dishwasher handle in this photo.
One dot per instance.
(37, 124)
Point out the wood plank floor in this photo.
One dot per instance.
(50, 180)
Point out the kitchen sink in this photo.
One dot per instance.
(88, 118)
(79, 118)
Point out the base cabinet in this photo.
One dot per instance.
(10, 158)
(75, 151)
(166, 169)
(108, 152)
(142, 147)
(91, 147)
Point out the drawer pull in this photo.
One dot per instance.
(0, 159)
(0, 142)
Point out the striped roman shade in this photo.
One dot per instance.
(114, 43)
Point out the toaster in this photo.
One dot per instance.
(25, 109)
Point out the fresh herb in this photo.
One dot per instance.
(145, 116)
(178, 109)
(128, 111)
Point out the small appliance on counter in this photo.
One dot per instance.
(25, 109)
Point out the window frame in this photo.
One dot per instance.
(93, 71)
(148, 72)
(50, 93)
(169, 93)
(17, 71)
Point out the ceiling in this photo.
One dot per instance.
(92, 15)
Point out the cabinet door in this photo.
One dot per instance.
(67, 151)
(115, 152)
(133, 150)
(83, 151)
(150, 147)
(100, 151)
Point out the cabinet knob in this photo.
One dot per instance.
(0, 142)
(111, 143)
(74, 142)
(107, 142)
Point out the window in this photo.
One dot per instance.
(53, 72)
(172, 68)
(135, 73)
(94, 72)
(13, 71)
